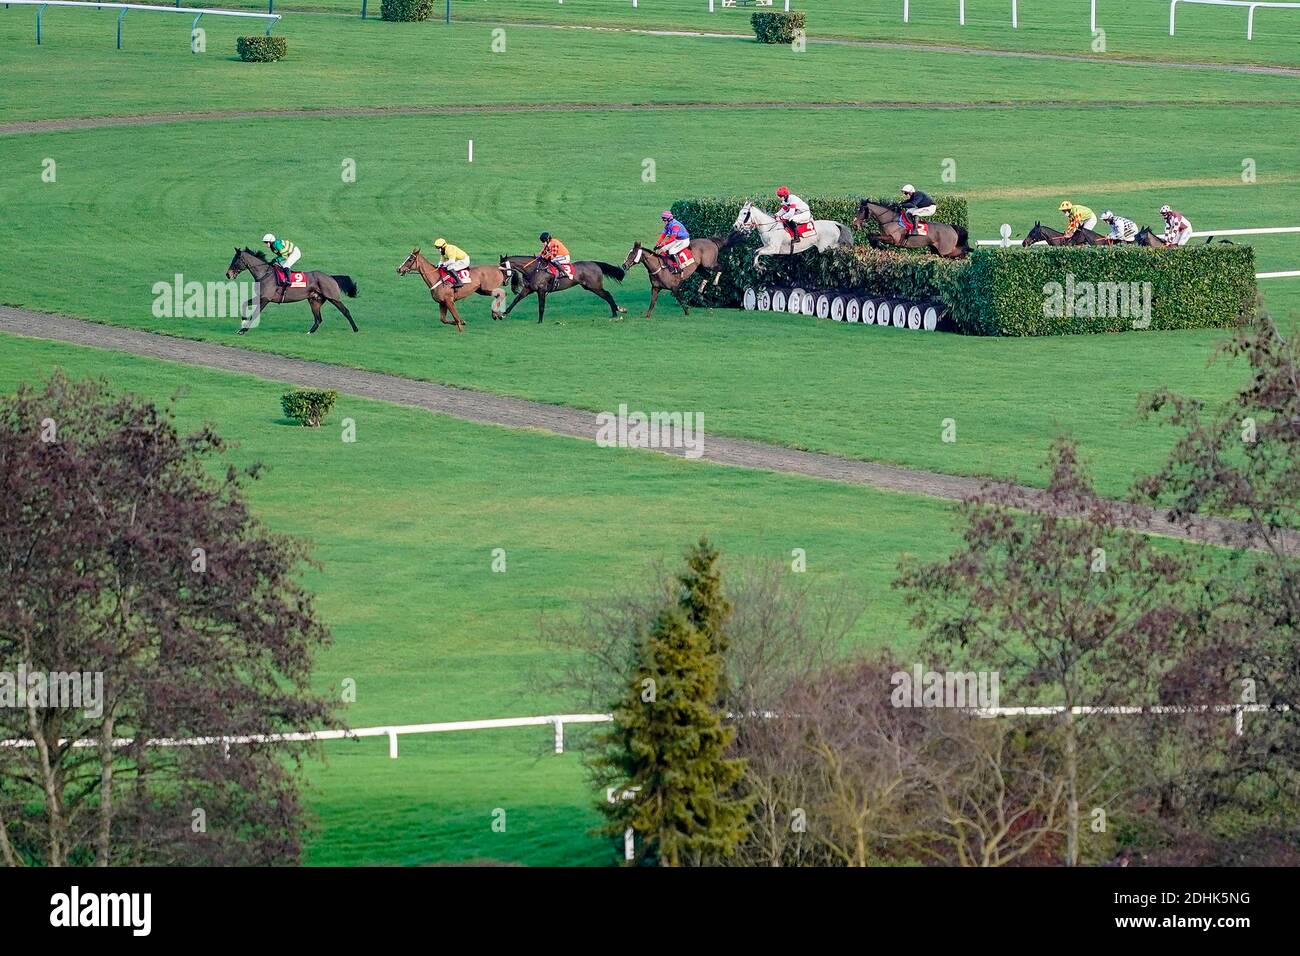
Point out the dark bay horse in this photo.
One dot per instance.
(484, 280)
(1081, 237)
(661, 276)
(950, 242)
(321, 287)
(529, 276)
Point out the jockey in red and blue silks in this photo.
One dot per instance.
(672, 240)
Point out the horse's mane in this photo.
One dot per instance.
(256, 252)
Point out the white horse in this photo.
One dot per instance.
(776, 241)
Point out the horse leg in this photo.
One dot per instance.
(498, 297)
(460, 326)
(442, 313)
(315, 314)
(677, 294)
(255, 307)
(614, 308)
(541, 305)
(338, 304)
(654, 297)
(519, 297)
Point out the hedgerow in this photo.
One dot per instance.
(1054, 291)
(714, 216)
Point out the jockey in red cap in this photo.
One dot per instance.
(672, 240)
(793, 213)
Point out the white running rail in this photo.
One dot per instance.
(1250, 17)
(557, 721)
(1015, 13)
(197, 12)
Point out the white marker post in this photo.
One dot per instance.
(629, 835)
(1006, 234)
(471, 151)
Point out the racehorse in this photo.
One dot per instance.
(777, 241)
(320, 288)
(661, 276)
(528, 276)
(1081, 237)
(1146, 237)
(484, 280)
(705, 252)
(947, 241)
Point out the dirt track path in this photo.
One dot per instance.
(488, 409)
(68, 124)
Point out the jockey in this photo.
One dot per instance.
(1077, 216)
(452, 260)
(283, 254)
(672, 240)
(916, 204)
(1121, 229)
(554, 255)
(794, 212)
(1177, 229)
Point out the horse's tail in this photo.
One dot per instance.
(614, 272)
(963, 238)
(846, 234)
(347, 285)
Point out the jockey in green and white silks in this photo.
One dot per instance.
(284, 253)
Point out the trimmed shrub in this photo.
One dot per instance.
(261, 49)
(777, 26)
(308, 407)
(840, 269)
(406, 10)
(1077, 289)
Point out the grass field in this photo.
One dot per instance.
(405, 519)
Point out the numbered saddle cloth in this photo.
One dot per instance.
(294, 280)
(914, 226)
(801, 230)
(562, 268)
(461, 274)
(684, 258)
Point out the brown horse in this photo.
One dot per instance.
(661, 275)
(706, 253)
(529, 276)
(947, 241)
(483, 280)
(320, 288)
(1081, 237)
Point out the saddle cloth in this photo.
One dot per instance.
(462, 275)
(294, 280)
(913, 226)
(801, 230)
(554, 270)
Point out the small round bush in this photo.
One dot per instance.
(308, 407)
(406, 10)
(778, 26)
(261, 49)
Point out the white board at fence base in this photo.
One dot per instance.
(746, 3)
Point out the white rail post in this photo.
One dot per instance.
(1173, 7)
(1006, 234)
(906, 14)
(1250, 22)
(1241, 721)
(559, 736)
(1092, 21)
(1015, 15)
(961, 12)
(392, 745)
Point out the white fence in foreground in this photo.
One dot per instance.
(1015, 13)
(558, 721)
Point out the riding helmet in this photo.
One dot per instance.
(439, 242)
(544, 237)
(1066, 205)
(908, 189)
(665, 215)
(1108, 215)
(782, 191)
(269, 237)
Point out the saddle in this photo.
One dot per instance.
(800, 230)
(913, 227)
(291, 280)
(446, 274)
(564, 268)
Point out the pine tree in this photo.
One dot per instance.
(703, 602)
(668, 741)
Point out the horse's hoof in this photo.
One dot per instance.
(241, 331)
